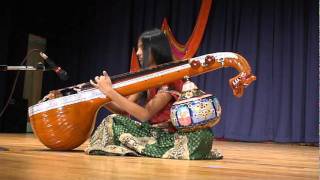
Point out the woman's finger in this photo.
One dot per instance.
(105, 73)
(92, 83)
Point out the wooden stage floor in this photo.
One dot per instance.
(26, 158)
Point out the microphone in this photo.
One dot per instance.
(58, 70)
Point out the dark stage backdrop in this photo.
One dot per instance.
(278, 37)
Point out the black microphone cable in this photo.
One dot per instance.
(15, 80)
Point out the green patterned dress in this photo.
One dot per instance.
(120, 135)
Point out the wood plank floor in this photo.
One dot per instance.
(26, 158)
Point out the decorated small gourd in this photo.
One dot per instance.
(195, 110)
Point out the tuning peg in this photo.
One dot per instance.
(209, 60)
(195, 64)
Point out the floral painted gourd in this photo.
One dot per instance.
(195, 109)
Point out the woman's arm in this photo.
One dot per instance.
(141, 113)
(115, 108)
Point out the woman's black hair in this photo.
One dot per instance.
(155, 42)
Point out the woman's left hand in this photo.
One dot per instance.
(103, 83)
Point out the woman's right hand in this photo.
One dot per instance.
(103, 83)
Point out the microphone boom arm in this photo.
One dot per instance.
(21, 68)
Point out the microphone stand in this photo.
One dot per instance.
(62, 74)
(40, 67)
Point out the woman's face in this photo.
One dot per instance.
(150, 61)
(139, 52)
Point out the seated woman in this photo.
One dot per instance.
(147, 131)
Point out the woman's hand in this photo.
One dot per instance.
(103, 83)
(52, 95)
